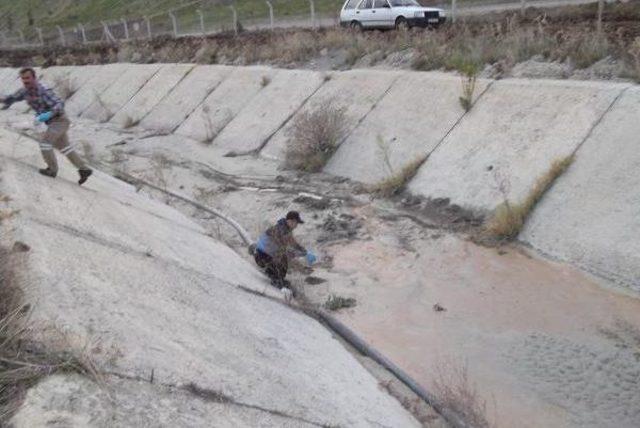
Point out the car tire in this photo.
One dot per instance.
(402, 23)
(355, 25)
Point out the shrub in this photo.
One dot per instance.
(314, 137)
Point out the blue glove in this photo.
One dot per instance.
(44, 117)
(311, 258)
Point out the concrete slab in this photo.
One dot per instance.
(157, 88)
(101, 79)
(514, 133)
(356, 91)
(120, 92)
(74, 401)
(224, 103)
(590, 218)
(185, 97)
(7, 78)
(153, 289)
(269, 110)
(416, 113)
(80, 75)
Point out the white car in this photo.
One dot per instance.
(381, 14)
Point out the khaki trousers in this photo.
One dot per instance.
(56, 137)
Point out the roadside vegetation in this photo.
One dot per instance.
(565, 37)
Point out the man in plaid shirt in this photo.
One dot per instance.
(49, 110)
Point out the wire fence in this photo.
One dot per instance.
(205, 18)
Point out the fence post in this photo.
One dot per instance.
(453, 11)
(61, 33)
(312, 7)
(40, 37)
(174, 22)
(235, 19)
(523, 6)
(21, 34)
(600, 11)
(107, 32)
(148, 22)
(201, 16)
(126, 28)
(4, 38)
(270, 14)
(83, 33)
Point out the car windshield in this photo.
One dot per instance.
(400, 3)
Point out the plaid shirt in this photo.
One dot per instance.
(41, 99)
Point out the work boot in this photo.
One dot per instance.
(84, 175)
(48, 172)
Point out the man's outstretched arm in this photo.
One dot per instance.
(13, 98)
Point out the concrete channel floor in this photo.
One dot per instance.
(544, 344)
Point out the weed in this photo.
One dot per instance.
(314, 137)
(7, 214)
(207, 394)
(265, 81)
(129, 122)
(589, 49)
(397, 181)
(508, 219)
(23, 362)
(469, 71)
(454, 392)
(335, 303)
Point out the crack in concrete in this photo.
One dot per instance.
(262, 145)
(373, 107)
(213, 396)
(136, 92)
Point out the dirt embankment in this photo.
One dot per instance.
(557, 43)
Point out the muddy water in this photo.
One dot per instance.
(544, 344)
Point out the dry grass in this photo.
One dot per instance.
(23, 362)
(397, 180)
(129, 122)
(314, 137)
(335, 303)
(454, 392)
(508, 219)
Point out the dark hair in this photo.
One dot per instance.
(28, 70)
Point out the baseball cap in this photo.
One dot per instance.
(294, 215)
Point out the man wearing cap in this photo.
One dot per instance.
(49, 110)
(276, 245)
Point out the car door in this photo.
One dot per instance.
(348, 12)
(363, 13)
(381, 14)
